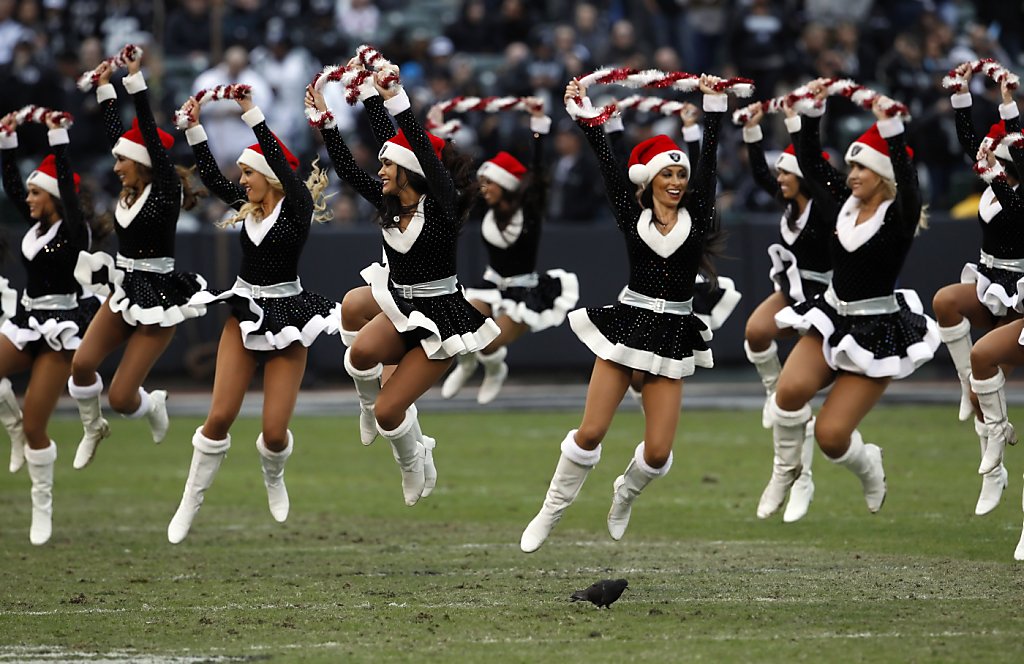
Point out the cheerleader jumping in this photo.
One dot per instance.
(146, 296)
(801, 269)
(513, 293)
(47, 323)
(423, 197)
(665, 218)
(989, 295)
(273, 320)
(860, 333)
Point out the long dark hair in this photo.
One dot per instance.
(1010, 168)
(459, 167)
(191, 194)
(532, 194)
(714, 239)
(99, 225)
(792, 209)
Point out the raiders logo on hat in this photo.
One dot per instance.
(855, 150)
(674, 156)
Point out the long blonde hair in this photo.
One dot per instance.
(316, 183)
(890, 193)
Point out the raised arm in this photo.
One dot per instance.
(213, 179)
(106, 96)
(908, 192)
(816, 170)
(703, 176)
(294, 188)
(14, 186)
(962, 102)
(164, 173)
(536, 198)
(380, 120)
(753, 137)
(691, 133)
(73, 221)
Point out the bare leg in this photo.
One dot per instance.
(236, 366)
(49, 378)
(145, 346)
(106, 333)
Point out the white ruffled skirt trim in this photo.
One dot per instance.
(520, 310)
(992, 295)
(58, 334)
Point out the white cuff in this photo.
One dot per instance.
(58, 136)
(400, 102)
(195, 135)
(614, 124)
(8, 141)
(253, 116)
(1009, 110)
(753, 134)
(692, 133)
(890, 127)
(105, 92)
(540, 125)
(716, 103)
(815, 111)
(961, 100)
(134, 83)
(367, 89)
(793, 124)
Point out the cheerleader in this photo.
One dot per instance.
(146, 296)
(423, 197)
(46, 325)
(272, 321)
(518, 298)
(860, 333)
(666, 220)
(989, 294)
(801, 269)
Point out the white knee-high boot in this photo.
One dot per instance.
(958, 340)
(574, 464)
(10, 417)
(992, 399)
(465, 365)
(768, 368)
(367, 388)
(429, 469)
(153, 406)
(802, 493)
(993, 483)
(40, 469)
(789, 428)
(627, 487)
(495, 373)
(273, 476)
(865, 461)
(408, 453)
(207, 455)
(95, 428)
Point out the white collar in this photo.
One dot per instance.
(790, 235)
(33, 243)
(989, 206)
(402, 241)
(664, 245)
(257, 230)
(853, 235)
(496, 237)
(125, 215)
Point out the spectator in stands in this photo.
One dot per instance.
(759, 40)
(11, 31)
(188, 31)
(287, 68)
(575, 194)
(244, 22)
(473, 32)
(591, 30)
(359, 20)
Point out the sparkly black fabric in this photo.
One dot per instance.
(276, 258)
(151, 232)
(432, 255)
(520, 257)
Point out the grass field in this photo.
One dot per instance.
(356, 576)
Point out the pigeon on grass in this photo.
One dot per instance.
(602, 593)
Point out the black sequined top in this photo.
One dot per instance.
(151, 231)
(276, 258)
(1003, 235)
(52, 270)
(520, 256)
(870, 270)
(670, 278)
(432, 256)
(811, 245)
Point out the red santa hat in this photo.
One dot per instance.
(872, 151)
(504, 170)
(132, 146)
(398, 150)
(253, 157)
(652, 155)
(787, 162)
(996, 135)
(45, 177)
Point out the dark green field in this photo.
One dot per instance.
(356, 576)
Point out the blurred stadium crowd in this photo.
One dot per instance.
(508, 47)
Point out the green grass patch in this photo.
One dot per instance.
(355, 575)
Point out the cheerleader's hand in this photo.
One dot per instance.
(315, 99)
(574, 89)
(103, 73)
(817, 89)
(689, 114)
(985, 154)
(380, 75)
(245, 103)
(354, 64)
(10, 125)
(964, 71)
(536, 106)
(135, 66)
(708, 83)
(755, 117)
(1006, 91)
(52, 121)
(788, 110)
(877, 107)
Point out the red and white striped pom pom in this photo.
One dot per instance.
(40, 115)
(372, 59)
(990, 173)
(858, 94)
(989, 67)
(446, 129)
(90, 79)
(216, 93)
(329, 74)
(774, 105)
(650, 105)
(649, 78)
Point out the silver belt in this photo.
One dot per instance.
(655, 304)
(529, 280)
(158, 265)
(873, 306)
(446, 286)
(820, 277)
(283, 289)
(1008, 264)
(59, 302)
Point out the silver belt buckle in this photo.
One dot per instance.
(659, 305)
(129, 265)
(256, 290)
(406, 290)
(987, 260)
